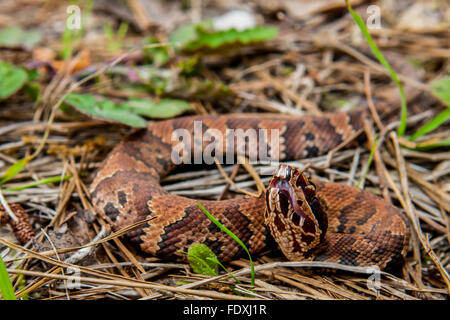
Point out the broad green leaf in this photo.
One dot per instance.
(10, 36)
(15, 36)
(187, 33)
(362, 26)
(6, 287)
(31, 38)
(441, 89)
(11, 79)
(165, 108)
(14, 169)
(232, 235)
(103, 109)
(432, 124)
(193, 37)
(198, 257)
(215, 39)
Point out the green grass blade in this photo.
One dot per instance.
(369, 162)
(232, 235)
(14, 169)
(432, 124)
(39, 182)
(404, 109)
(5, 283)
(427, 146)
(223, 267)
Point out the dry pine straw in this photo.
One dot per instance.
(423, 202)
(415, 181)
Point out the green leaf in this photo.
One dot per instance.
(157, 55)
(193, 37)
(217, 39)
(432, 124)
(165, 108)
(441, 89)
(15, 36)
(232, 235)
(404, 110)
(14, 169)
(198, 257)
(11, 79)
(33, 74)
(189, 67)
(187, 33)
(104, 109)
(33, 90)
(10, 36)
(6, 287)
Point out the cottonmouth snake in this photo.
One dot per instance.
(362, 229)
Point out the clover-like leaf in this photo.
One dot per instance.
(199, 256)
(11, 79)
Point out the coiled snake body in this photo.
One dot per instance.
(322, 221)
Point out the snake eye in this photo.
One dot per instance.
(301, 181)
(310, 191)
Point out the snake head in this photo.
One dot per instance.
(295, 215)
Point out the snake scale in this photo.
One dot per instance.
(313, 220)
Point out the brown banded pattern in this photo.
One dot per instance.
(361, 229)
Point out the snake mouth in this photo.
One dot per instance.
(292, 203)
(283, 199)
